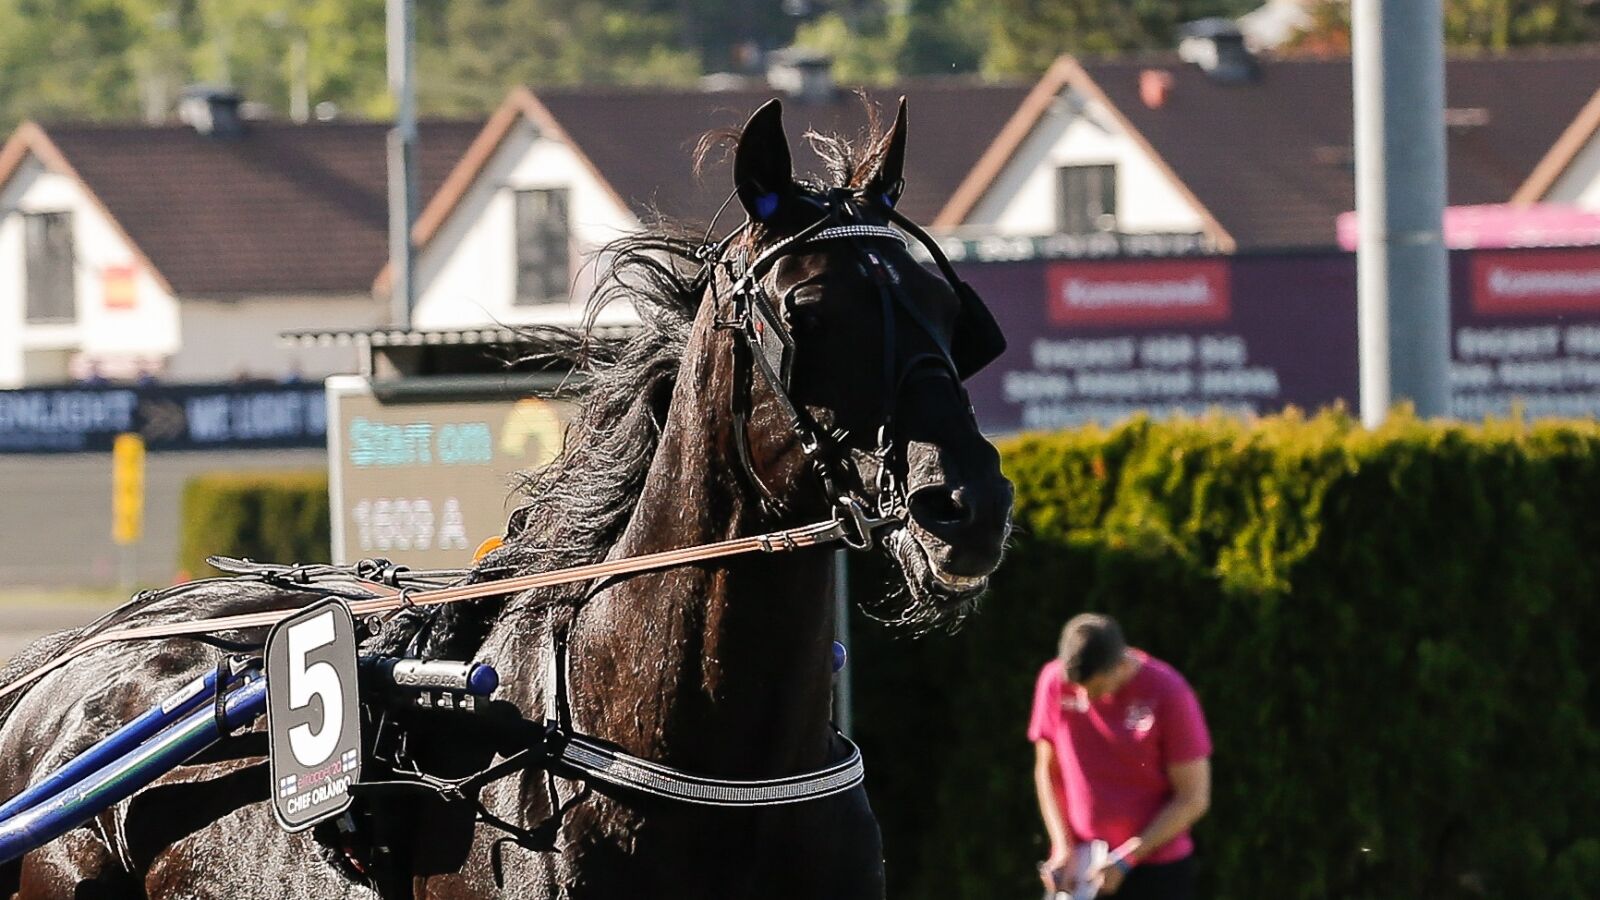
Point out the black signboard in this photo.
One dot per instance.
(82, 418)
(313, 714)
(1098, 340)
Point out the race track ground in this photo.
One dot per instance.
(27, 614)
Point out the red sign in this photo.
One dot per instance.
(1535, 282)
(120, 286)
(1138, 292)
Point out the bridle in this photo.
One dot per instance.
(764, 344)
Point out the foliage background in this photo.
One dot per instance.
(127, 59)
(1391, 634)
(268, 516)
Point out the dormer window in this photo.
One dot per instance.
(52, 294)
(543, 246)
(1086, 199)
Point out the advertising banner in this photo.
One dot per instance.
(1525, 333)
(168, 417)
(1097, 340)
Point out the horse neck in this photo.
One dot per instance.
(722, 668)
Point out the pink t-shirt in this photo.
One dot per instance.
(1114, 752)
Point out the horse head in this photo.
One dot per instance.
(850, 357)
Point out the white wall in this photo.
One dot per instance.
(197, 340)
(233, 338)
(1022, 200)
(1580, 183)
(116, 337)
(466, 275)
(11, 279)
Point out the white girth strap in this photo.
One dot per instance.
(601, 763)
(589, 758)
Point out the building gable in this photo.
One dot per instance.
(468, 264)
(1570, 172)
(1270, 161)
(114, 307)
(1068, 121)
(1075, 132)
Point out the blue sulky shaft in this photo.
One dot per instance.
(114, 745)
(73, 805)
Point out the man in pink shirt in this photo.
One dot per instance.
(1122, 755)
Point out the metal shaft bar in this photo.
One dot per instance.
(184, 701)
(122, 777)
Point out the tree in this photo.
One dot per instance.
(61, 58)
(471, 53)
(920, 37)
(331, 50)
(1327, 33)
(864, 54)
(1479, 24)
(1500, 24)
(1025, 36)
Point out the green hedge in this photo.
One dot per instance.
(1387, 630)
(271, 516)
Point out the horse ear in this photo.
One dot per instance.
(887, 183)
(763, 172)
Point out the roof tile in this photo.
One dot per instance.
(1272, 160)
(643, 140)
(284, 209)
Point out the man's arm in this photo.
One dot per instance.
(1191, 797)
(1046, 777)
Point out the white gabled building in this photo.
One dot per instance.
(1237, 152)
(72, 283)
(181, 252)
(509, 237)
(557, 174)
(1070, 163)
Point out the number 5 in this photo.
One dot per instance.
(312, 748)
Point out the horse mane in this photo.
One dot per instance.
(576, 507)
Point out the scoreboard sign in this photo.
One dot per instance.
(424, 481)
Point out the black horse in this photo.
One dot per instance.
(781, 375)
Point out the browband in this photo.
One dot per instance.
(858, 231)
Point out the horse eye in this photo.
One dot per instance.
(802, 320)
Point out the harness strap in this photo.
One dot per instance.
(819, 534)
(592, 759)
(820, 447)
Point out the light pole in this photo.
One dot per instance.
(402, 160)
(1403, 288)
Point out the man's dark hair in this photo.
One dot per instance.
(1090, 644)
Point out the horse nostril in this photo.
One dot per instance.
(940, 505)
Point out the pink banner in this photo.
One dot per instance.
(1502, 225)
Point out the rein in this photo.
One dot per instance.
(852, 526)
